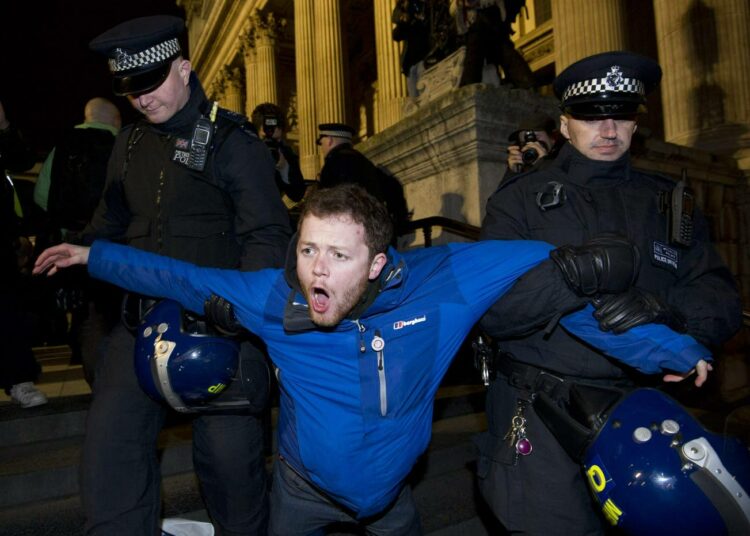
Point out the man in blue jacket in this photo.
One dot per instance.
(361, 337)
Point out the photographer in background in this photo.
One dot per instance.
(535, 138)
(269, 120)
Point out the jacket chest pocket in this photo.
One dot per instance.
(394, 370)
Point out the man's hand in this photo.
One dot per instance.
(702, 368)
(621, 312)
(60, 256)
(515, 154)
(515, 160)
(606, 264)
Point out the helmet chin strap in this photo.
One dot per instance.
(162, 351)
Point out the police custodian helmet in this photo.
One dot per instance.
(655, 470)
(611, 84)
(181, 361)
(140, 52)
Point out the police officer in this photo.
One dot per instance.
(191, 181)
(343, 164)
(535, 487)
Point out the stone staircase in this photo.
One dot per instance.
(40, 451)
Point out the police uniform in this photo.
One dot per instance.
(345, 164)
(569, 201)
(198, 187)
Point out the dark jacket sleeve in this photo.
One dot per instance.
(705, 292)
(539, 295)
(261, 223)
(535, 299)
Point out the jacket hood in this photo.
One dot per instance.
(381, 295)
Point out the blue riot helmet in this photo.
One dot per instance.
(655, 470)
(180, 360)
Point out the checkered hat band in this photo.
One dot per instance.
(600, 85)
(336, 133)
(156, 54)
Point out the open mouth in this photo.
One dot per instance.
(320, 300)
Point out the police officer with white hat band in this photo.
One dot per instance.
(191, 181)
(535, 486)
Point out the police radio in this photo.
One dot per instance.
(200, 143)
(681, 213)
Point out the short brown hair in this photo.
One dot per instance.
(351, 199)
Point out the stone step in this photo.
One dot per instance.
(443, 484)
(61, 417)
(40, 448)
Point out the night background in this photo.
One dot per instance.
(47, 72)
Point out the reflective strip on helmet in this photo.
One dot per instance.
(162, 351)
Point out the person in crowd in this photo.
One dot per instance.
(75, 180)
(411, 20)
(343, 163)
(534, 139)
(68, 189)
(18, 367)
(269, 119)
(191, 181)
(590, 188)
(361, 337)
(486, 28)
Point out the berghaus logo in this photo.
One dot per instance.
(404, 323)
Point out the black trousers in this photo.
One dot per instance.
(17, 362)
(544, 493)
(120, 476)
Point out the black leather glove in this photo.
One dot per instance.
(618, 313)
(607, 264)
(220, 313)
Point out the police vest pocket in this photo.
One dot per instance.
(138, 228)
(198, 228)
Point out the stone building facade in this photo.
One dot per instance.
(335, 61)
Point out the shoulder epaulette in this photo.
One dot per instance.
(237, 119)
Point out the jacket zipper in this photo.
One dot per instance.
(361, 329)
(159, 222)
(378, 345)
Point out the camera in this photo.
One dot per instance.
(270, 123)
(530, 155)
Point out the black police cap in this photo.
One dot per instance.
(610, 84)
(335, 130)
(140, 52)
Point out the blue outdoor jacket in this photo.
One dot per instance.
(357, 400)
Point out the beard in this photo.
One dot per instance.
(340, 307)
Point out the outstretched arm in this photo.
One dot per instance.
(51, 260)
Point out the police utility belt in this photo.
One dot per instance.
(572, 409)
